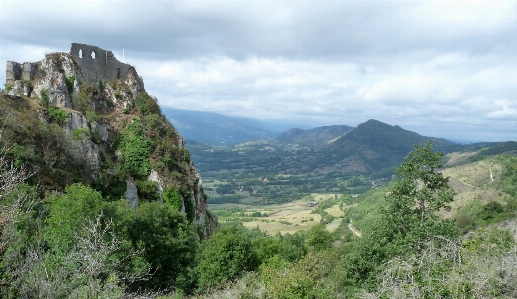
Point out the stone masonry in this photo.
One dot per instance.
(98, 64)
(16, 71)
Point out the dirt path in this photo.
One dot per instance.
(353, 230)
(491, 176)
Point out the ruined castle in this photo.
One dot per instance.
(95, 63)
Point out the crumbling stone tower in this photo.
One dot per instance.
(17, 71)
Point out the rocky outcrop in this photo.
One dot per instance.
(131, 194)
(155, 177)
(109, 117)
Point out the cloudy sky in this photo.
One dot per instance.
(439, 68)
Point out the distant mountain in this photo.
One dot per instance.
(312, 137)
(216, 129)
(374, 146)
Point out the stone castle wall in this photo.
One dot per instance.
(98, 64)
(17, 71)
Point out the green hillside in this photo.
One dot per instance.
(313, 137)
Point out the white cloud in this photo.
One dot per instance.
(443, 67)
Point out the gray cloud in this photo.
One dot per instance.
(441, 68)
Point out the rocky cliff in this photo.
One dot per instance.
(84, 116)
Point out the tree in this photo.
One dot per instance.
(225, 256)
(168, 241)
(408, 220)
(92, 268)
(67, 213)
(409, 217)
(12, 204)
(320, 238)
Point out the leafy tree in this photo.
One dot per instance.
(292, 247)
(225, 256)
(307, 278)
(67, 213)
(168, 242)
(409, 217)
(319, 237)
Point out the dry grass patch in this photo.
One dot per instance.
(335, 211)
(477, 173)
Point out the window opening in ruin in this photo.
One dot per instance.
(80, 53)
(93, 54)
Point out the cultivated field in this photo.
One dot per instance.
(284, 218)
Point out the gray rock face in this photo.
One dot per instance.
(75, 121)
(101, 129)
(83, 142)
(57, 67)
(20, 88)
(131, 194)
(155, 177)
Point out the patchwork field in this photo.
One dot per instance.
(284, 218)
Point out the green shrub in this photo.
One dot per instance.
(225, 256)
(169, 245)
(70, 84)
(8, 87)
(186, 193)
(136, 149)
(148, 190)
(21, 154)
(80, 102)
(172, 196)
(44, 98)
(147, 105)
(91, 116)
(320, 238)
(308, 278)
(81, 133)
(57, 115)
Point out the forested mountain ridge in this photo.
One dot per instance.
(374, 146)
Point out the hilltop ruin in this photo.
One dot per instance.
(96, 65)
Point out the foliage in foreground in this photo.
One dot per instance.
(78, 244)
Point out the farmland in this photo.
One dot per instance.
(288, 217)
